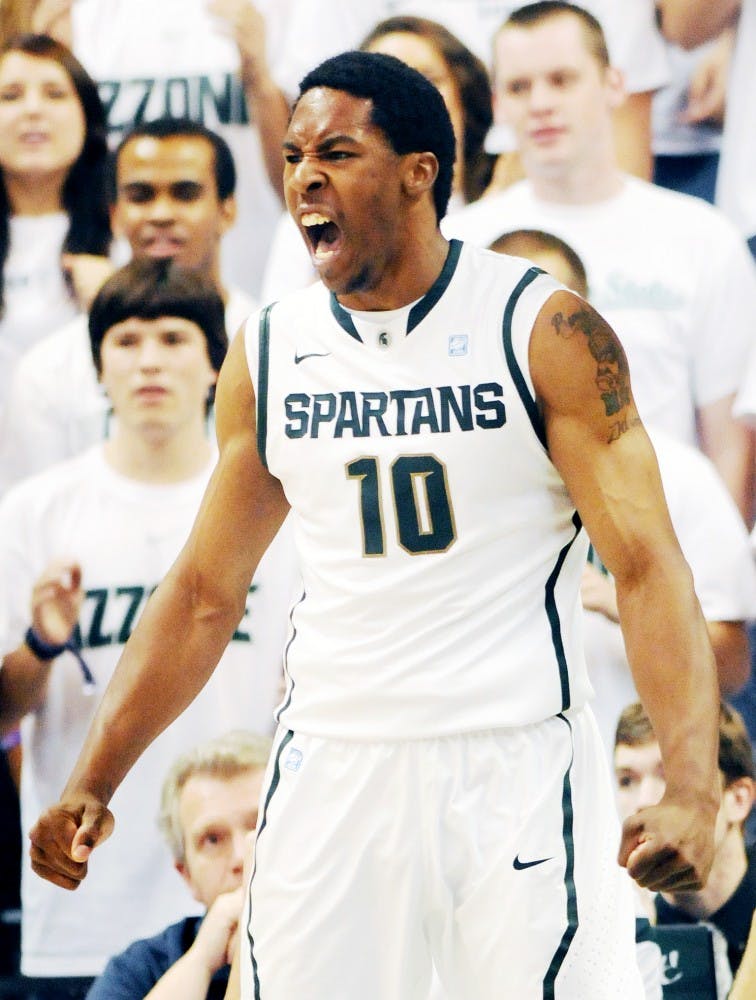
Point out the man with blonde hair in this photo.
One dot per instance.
(208, 810)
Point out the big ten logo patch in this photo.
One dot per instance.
(294, 759)
(108, 615)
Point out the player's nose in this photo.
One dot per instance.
(307, 175)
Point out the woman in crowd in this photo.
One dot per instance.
(463, 82)
(54, 227)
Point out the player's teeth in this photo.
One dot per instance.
(322, 254)
(314, 219)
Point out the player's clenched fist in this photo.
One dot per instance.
(669, 847)
(65, 835)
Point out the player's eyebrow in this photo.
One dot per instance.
(325, 145)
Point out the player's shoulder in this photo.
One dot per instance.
(508, 275)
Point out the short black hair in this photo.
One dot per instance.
(169, 128)
(149, 289)
(471, 81)
(407, 108)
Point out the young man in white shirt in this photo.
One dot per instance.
(670, 273)
(173, 197)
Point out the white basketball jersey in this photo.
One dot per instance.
(441, 553)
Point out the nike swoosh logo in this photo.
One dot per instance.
(301, 357)
(522, 865)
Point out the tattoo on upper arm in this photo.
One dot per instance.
(612, 372)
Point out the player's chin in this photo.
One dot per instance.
(349, 281)
(332, 268)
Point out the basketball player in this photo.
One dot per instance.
(436, 416)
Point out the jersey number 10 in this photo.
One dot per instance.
(420, 492)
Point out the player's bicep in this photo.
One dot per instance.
(580, 371)
(594, 434)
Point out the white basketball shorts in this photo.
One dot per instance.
(490, 855)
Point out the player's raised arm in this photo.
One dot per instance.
(180, 637)
(597, 442)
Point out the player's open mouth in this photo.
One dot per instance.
(323, 235)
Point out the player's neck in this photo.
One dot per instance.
(730, 865)
(409, 277)
(160, 454)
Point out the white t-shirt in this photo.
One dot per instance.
(745, 401)
(715, 543)
(56, 407)
(174, 58)
(35, 293)
(125, 535)
(736, 189)
(669, 272)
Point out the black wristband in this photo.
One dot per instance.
(41, 649)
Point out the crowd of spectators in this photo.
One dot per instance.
(140, 179)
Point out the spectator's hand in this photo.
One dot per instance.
(247, 27)
(599, 593)
(87, 273)
(707, 90)
(65, 835)
(669, 847)
(53, 17)
(216, 941)
(56, 601)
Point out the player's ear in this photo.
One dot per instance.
(420, 172)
